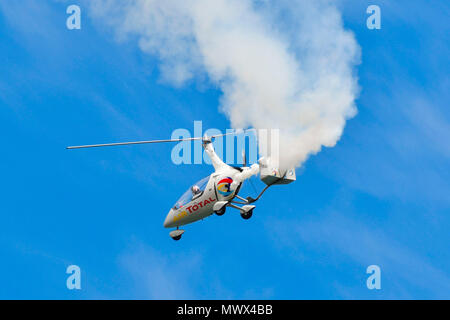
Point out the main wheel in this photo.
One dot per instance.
(247, 215)
(220, 212)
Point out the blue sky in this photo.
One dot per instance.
(381, 196)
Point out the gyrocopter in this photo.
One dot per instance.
(216, 192)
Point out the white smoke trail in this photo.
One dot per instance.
(287, 65)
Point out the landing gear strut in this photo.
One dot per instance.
(246, 211)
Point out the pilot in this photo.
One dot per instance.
(195, 190)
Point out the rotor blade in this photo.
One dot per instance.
(151, 141)
(130, 143)
(234, 132)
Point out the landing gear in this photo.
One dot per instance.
(247, 215)
(176, 234)
(221, 211)
(246, 211)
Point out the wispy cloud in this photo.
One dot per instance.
(155, 275)
(406, 274)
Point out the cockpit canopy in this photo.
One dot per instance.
(195, 191)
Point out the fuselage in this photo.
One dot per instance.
(191, 207)
(198, 201)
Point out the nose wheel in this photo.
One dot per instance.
(176, 234)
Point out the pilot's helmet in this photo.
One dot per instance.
(195, 189)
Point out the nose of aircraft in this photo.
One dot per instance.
(169, 219)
